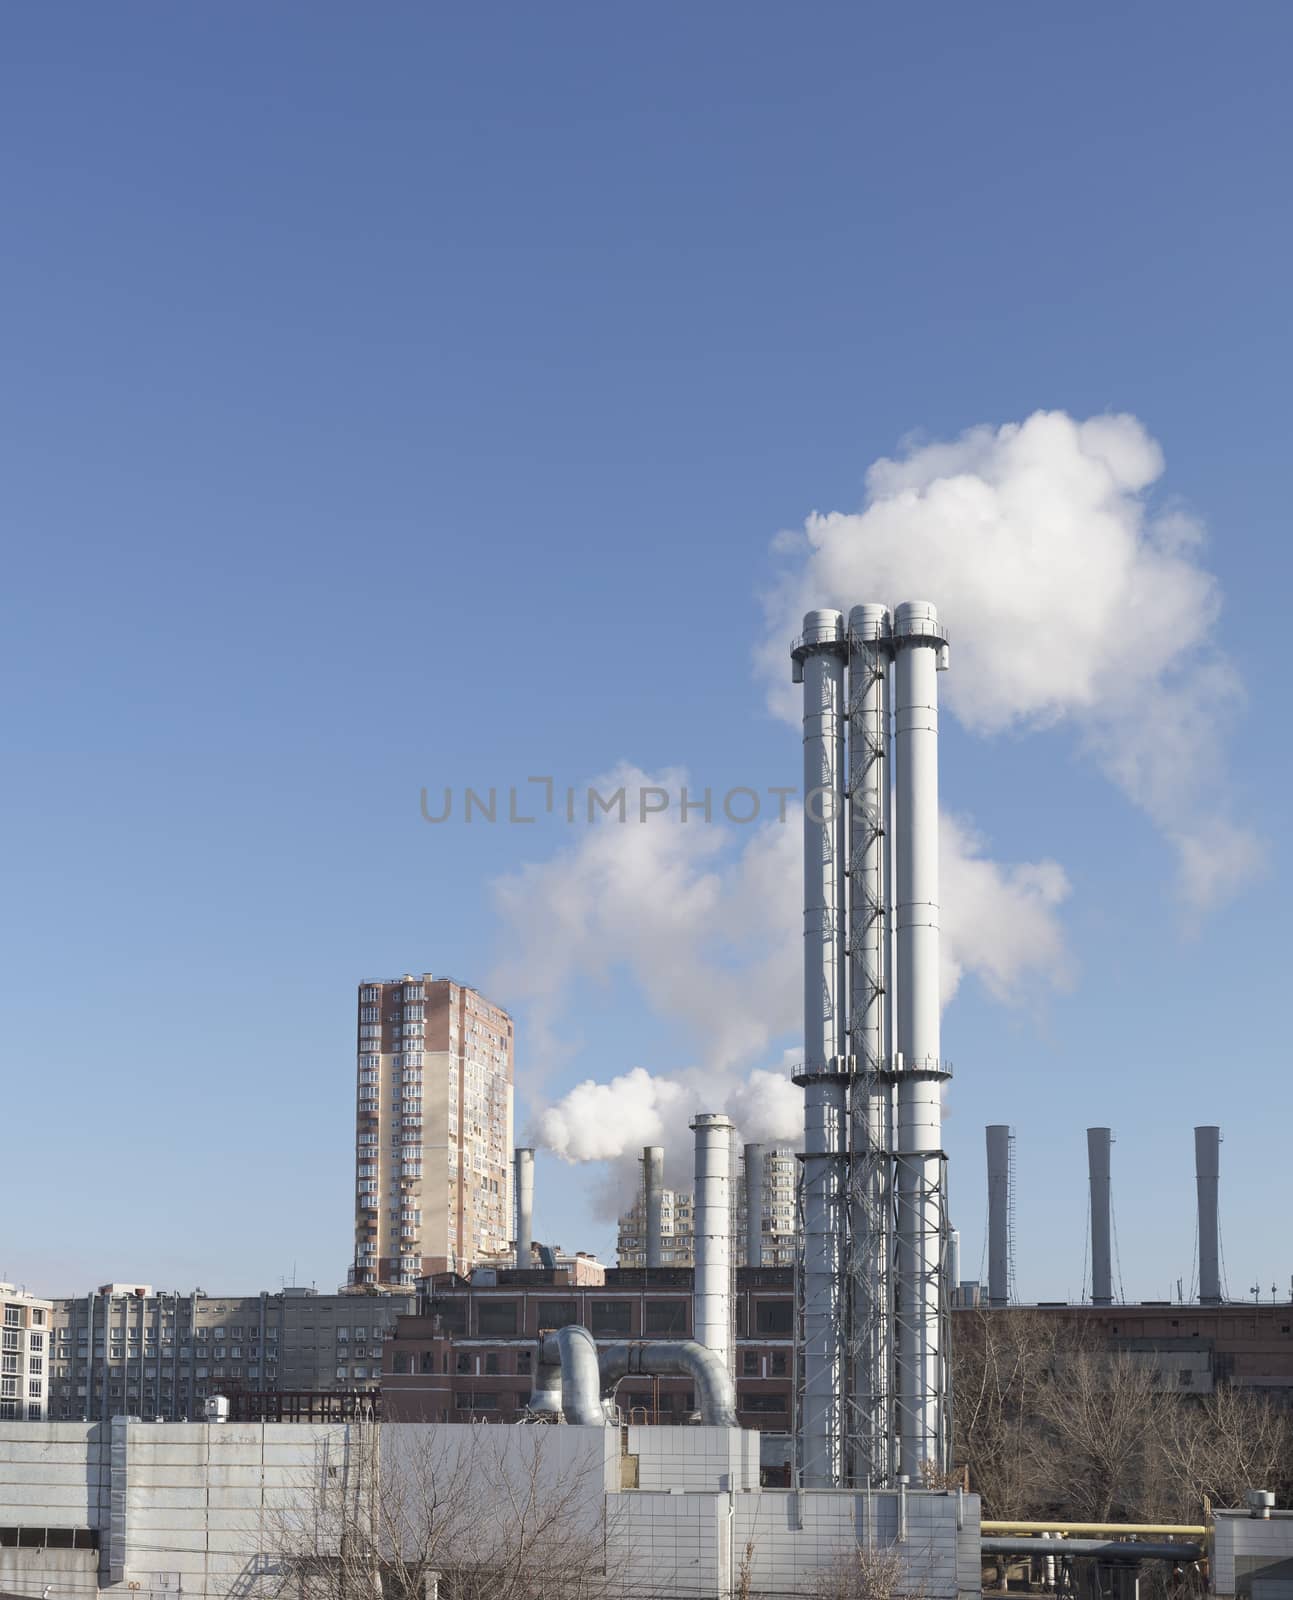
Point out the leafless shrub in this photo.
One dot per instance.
(476, 1513)
(863, 1573)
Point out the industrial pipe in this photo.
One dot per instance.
(998, 1140)
(1185, 1530)
(572, 1348)
(920, 652)
(1207, 1170)
(545, 1387)
(1104, 1549)
(819, 665)
(524, 1177)
(653, 1202)
(754, 1205)
(661, 1358)
(1098, 1141)
(870, 1035)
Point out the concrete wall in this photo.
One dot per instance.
(1251, 1555)
(193, 1510)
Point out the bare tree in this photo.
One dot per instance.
(863, 1573)
(1004, 1365)
(479, 1513)
(1102, 1414)
(1217, 1446)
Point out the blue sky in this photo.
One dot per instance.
(411, 397)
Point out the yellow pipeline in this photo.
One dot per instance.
(1109, 1530)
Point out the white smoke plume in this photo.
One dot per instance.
(1067, 601)
(706, 920)
(610, 1122)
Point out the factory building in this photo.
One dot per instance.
(467, 1353)
(433, 1129)
(128, 1349)
(202, 1510)
(768, 1177)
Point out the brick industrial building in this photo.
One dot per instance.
(467, 1351)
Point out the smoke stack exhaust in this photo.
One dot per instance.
(754, 1205)
(1207, 1173)
(920, 653)
(871, 1039)
(653, 1202)
(1098, 1141)
(819, 665)
(524, 1177)
(712, 1220)
(998, 1214)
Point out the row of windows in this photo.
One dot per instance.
(608, 1318)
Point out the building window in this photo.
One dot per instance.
(496, 1318)
(611, 1317)
(750, 1364)
(665, 1317)
(557, 1313)
(764, 1402)
(774, 1316)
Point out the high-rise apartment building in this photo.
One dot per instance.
(677, 1215)
(433, 1129)
(24, 1354)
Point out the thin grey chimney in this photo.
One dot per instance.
(998, 1214)
(1207, 1171)
(1098, 1141)
(653, 1201)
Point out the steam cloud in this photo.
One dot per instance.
(1067, 601)
(707, 922)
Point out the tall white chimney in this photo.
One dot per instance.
(653, 1202)
(1207, 1171)
(920, 651)
(524, 1180)
(998, 1214)
(754, 1205)
(819, 664)
(1098, 1141)
(712, 1221)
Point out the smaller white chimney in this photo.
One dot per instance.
(712, 1219)
(524, 1179)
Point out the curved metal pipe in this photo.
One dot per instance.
(661, 1358)
(573, 1349)
(545, 1387)
(1105, 1549)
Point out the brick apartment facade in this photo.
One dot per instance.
(433, 1130)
